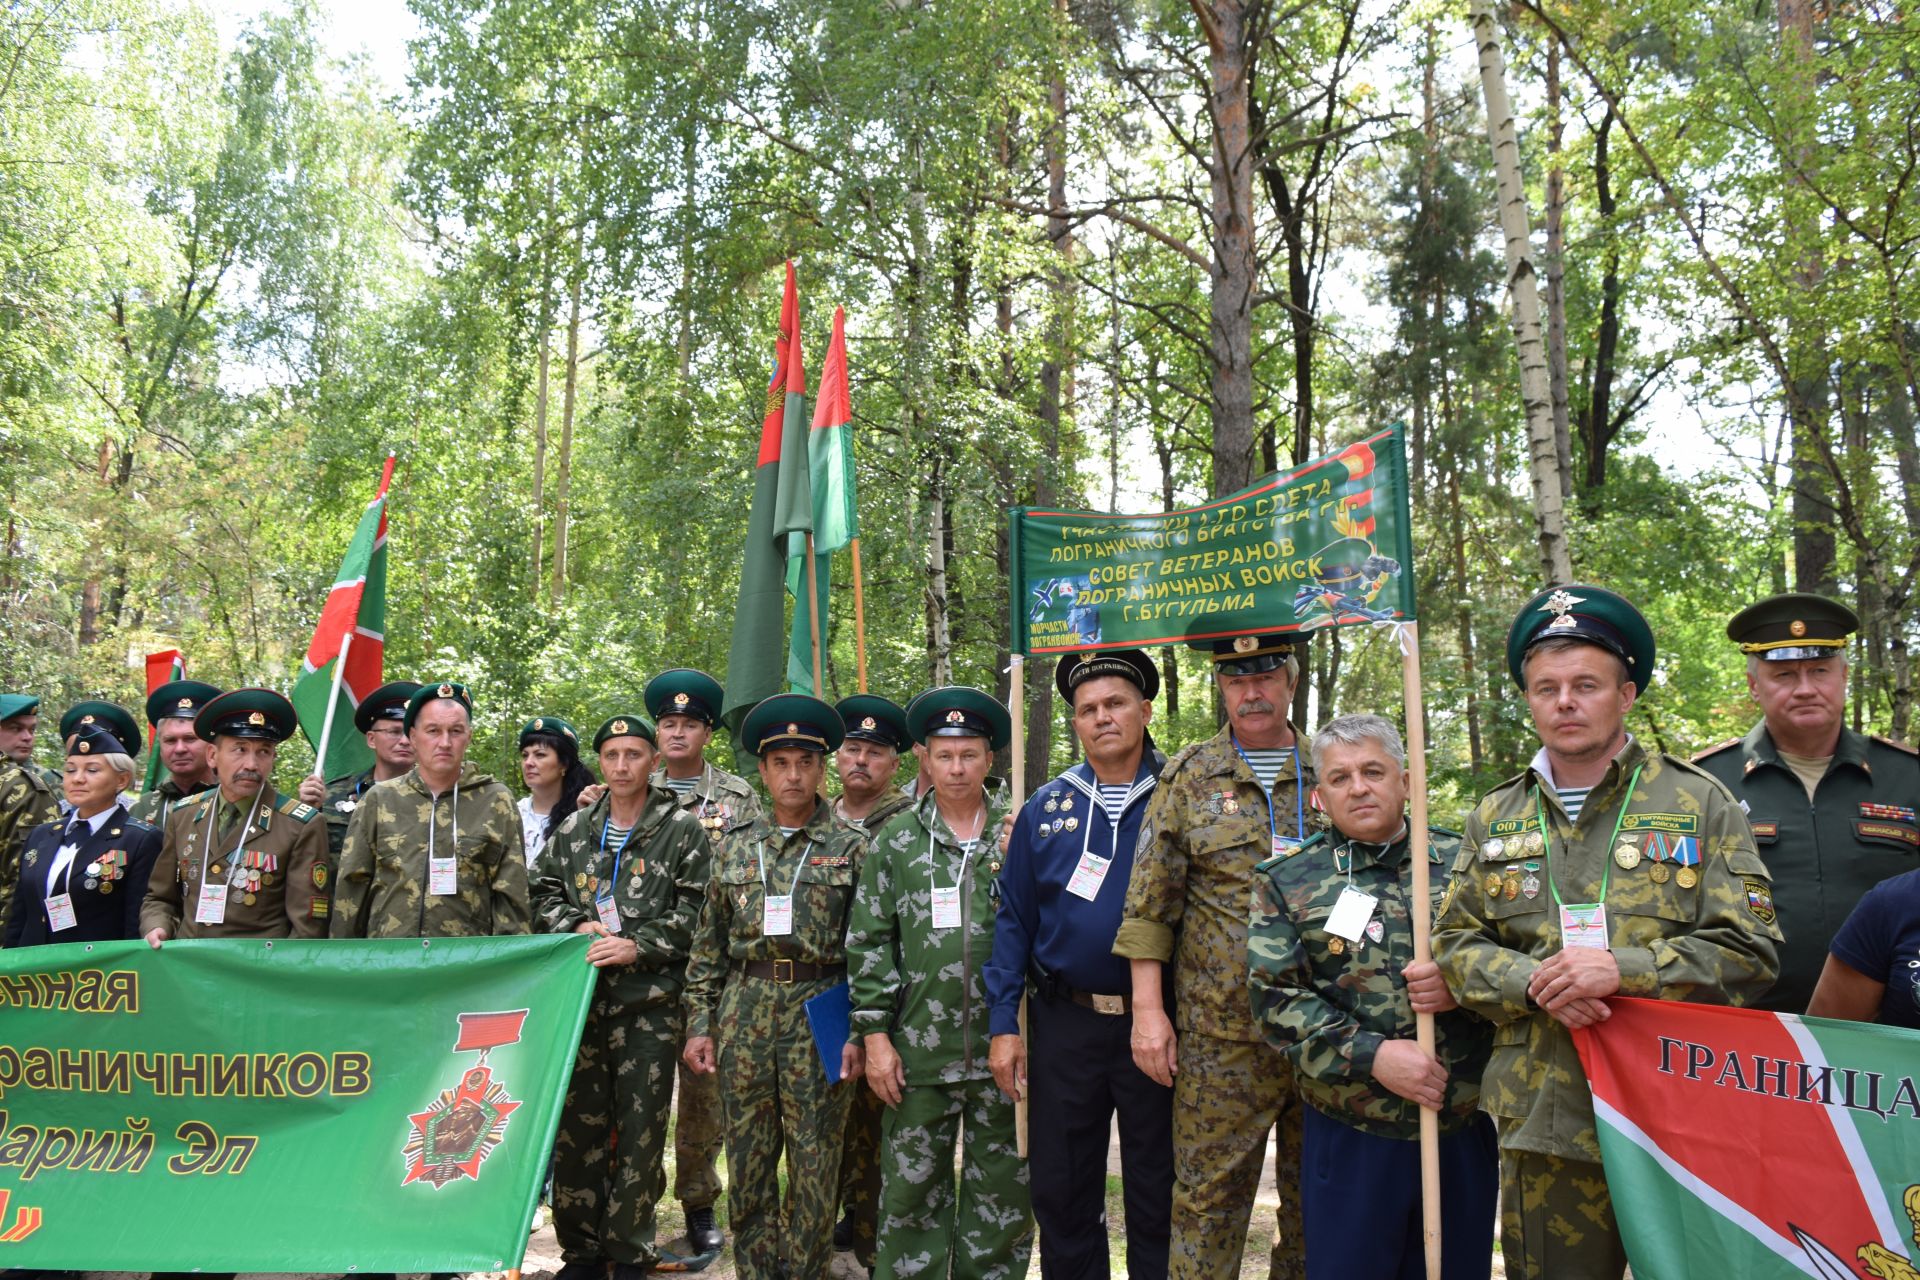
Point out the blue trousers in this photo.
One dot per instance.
(1360, 1195)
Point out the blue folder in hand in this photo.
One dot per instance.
(830, 1016)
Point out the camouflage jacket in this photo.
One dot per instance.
(890, 804)
(1689, 913)
(382, 886)
(661, 882)
(925, 985)
(275, 871)
(1189, 897)
(25, 802)
(819, 864)
(156, 805)
(1330, 1003)
(720, 800)
(344, 795)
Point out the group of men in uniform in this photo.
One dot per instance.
(1213, 948)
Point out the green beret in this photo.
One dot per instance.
(260, 714)
(1131, 665)
(625, 726)
(791, 720)
(955, 711)
(549, 726)
(17, 704)
(1793, 626)
(872, 718)
(179, 700)
(429, 692)
(1581, 611)
(388, 702)
(684, 692)
(115, 719)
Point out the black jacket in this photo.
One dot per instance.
(107, 912)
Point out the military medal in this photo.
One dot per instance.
(1495, 847)
(1066, 805)
(91, 883)
(1053, 803)
(580, 880)
(1626, 855)
(1073, 824)
(1337, 945)
(1658, 873)
(247, 898)
(93, 869)
(1376, 930)
(1686, 877)
(1530, 883)
(106, 886)
(1229, 804)
(1512, 884)
(1494, 884)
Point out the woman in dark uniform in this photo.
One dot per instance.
(83, 876)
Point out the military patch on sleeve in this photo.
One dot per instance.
(1681, 823)
(1759, 899)
(1446, 899)
(319, 908)
(319, 875)
(1507, 826)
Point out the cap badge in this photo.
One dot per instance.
(1245, 644)
(445, 691)
(956, 716)
(1797, 627)
(86, 719)
(1561, 603)
(185, 703)
(85, 747)
(1087, 656)
(681, 699)
(867, 722)
(793, 728)
(256, 718)
(619, 726)
(539, 722)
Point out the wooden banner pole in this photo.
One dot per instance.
(813, 615)
(859, 619)
(1420, 909)
(1017, 705)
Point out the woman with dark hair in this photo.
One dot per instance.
(550, 766)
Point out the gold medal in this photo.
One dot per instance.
(1495, 884)
(1513, 885)
(106, 886)
(1337, 945)
(1626, 855)
(580, 880)
(1658, 873)
(1686, 877)
(247, 898)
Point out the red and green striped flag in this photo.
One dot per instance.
(356, 606)
(755, 662)
(835, 501)
(1757, 1145)
(162, 668)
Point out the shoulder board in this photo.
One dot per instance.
(1717, 748)
(1180, 757)
(1280, 859)
(136, 825)
(294, 807)
(1896, 745)
(198, 797)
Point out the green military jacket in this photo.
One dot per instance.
(927, 986)
(344, 795)
(720, 800)
(819, 864)
(25, 802)
(1189, 897)
(156, 805)
(275, 871)
(383, 883)
(1330, 1003)
(891, 802)
(1858, 830)
(1712, 940)
(662, 867)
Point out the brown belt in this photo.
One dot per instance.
(790, 970)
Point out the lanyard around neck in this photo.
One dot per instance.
(1546, 841)
(606, 825)
(1299, 793)
(798, 868)
(433, 816)
(213, 820)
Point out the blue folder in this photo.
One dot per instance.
(830, 1016)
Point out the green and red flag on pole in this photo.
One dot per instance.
(755, 663)
(354, 618)
(162, 668)
(1758, 1145)
(835, 503)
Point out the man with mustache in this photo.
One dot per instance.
(171, 710)
(1604, 869)
(1222, 806)
(241, 860)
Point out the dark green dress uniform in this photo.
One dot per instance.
(1665, 849)
(270, 852)
(747, 988)
(26, 801)
(387, 704)
(174, 700)
(608, 1174)
(1857, 830)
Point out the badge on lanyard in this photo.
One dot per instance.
(1088, 876)
(1584, 924)
(212, 906)
(776, 920)
(609, 913)
(60, 912)
(946, 907)
(443, 877)
(1351, 914)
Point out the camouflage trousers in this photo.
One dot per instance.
(607, 1170)
(860, 1172)
(1556, 1218)
(777, 1096)
(986, 1232)
(1228, 1096)
(697, 1135)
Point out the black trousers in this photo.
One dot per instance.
(1079, 1073)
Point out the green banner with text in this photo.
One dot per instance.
(282, 1105)
(1327, 544)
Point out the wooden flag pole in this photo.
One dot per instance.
(859, 620)
(333, 700)
(1420, 908)
(813, 616)
(1017, 705)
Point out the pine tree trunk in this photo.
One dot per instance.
(1231, 230)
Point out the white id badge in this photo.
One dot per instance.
(1584, 924)
(946, 907)
(777, 920)
(1088, 876)
(1350, 914)
(1285, 846)
(212, 907)
(60, 912)
(443, 877)
(609, 913)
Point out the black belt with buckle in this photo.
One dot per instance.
(788, 971)
(1114, 1006)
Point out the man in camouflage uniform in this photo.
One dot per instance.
(922, 931)
(381, 716)
(171, 710)
(1222, 806)
(1604, 869)
(631, 870)
(18, 728)
(436, 853)
(773, 937)
(1335, 987)
(866, 762)
(264, 854)
(26, 800)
